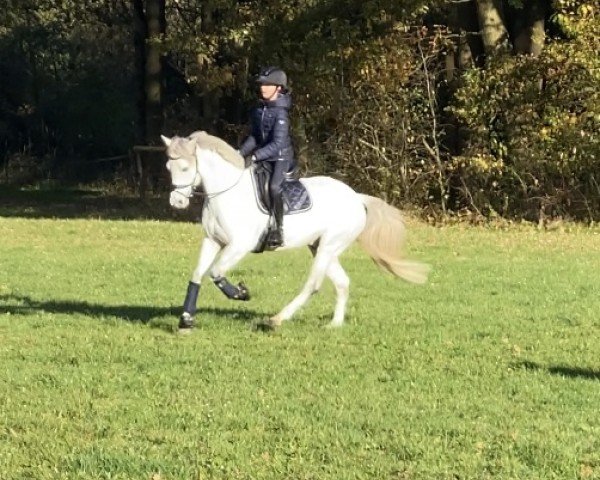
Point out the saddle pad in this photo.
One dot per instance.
(295, 196)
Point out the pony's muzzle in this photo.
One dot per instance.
(179, 199)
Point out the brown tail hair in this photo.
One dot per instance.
(383, 237)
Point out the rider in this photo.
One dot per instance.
(270, 141)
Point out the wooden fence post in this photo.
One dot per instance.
(140, 152)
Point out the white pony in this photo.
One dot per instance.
(235, 225)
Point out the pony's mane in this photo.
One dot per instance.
(184, 147)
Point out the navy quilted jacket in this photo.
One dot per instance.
(269, 137)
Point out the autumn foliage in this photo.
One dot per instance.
(469, 109)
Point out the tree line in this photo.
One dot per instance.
(464, 107)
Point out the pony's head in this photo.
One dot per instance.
(181, 164)
(183, 155)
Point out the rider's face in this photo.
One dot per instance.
(269, 92)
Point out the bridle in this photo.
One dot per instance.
(192, 186)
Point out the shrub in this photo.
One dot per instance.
(530, 142)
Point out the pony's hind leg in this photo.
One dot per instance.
(312, 285)
(208, 253)
(340, 280)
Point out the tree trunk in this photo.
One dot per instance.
(153, 85)
(491, 23)
(470, 44)
(528, 28)
(210, 96)
(139, 43)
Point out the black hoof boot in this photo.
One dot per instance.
(186, 323)
(243, 293)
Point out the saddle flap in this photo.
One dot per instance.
(295, 196)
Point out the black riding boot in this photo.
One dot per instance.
(276, 234)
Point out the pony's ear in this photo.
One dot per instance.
(166, 140)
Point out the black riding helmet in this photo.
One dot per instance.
(272, 76)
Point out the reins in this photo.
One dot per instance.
(206, 195)
(216, 194)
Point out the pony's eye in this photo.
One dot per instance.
(185, 169)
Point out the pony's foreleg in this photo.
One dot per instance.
(231, 255)
(340, 280)
(233, 292)
(312, 285)
(208, 253)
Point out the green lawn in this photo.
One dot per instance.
(491, 370)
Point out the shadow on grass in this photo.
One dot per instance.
(24, 305)
(561, 370)
(79, 203)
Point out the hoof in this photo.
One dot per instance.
(275, 321)
(268, 325)
(334, 325)
(186, 323)
(243, 293)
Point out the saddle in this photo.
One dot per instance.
(294, 193)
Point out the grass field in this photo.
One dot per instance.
(491, 370)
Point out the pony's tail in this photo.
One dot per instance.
(383, 237)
